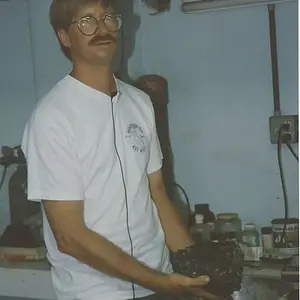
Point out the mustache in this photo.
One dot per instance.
(102, 38)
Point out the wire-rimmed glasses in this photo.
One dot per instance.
(88, 25)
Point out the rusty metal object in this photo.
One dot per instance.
(157, 88)
(159, 5)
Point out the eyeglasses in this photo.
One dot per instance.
(89, 25)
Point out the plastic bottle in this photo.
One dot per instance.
(251, 235)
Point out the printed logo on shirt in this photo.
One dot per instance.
(135, 136)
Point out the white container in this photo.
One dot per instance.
(267, 238)
(250, 235)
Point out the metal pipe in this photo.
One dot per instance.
(274, 59)
(194, 6)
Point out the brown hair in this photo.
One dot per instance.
(62, 13)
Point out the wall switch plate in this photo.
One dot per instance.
(275, 123)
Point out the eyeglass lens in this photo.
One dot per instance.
(89, 25)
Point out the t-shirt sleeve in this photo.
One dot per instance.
(53, 170)
(156, 156)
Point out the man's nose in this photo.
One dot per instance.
(102, 28)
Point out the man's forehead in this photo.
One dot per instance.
(97, 8)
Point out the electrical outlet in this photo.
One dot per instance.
(275, 122)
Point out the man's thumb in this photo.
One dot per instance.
(199, 281)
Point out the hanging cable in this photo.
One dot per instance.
(185, 195)
(3, 177)
(187, 200)
(292, 151)
(282, 178)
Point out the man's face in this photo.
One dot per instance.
(92, 36)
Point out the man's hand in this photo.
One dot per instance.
(176, 284)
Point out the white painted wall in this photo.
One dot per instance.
(219, 71)
(17, 89)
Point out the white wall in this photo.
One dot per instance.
(50, 64)
(17, 89)
(219, 71)
(31, 63)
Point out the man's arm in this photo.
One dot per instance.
(177, 235)
(75, 239)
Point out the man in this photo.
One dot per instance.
(94, 161)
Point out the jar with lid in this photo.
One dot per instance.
(250, 235)
(229, 224)
(208, 216)
(201, 232)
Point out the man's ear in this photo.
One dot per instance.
(64, 38)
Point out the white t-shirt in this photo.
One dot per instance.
(73, 144)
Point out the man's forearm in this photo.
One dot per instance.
(177, 234)
(101, 254)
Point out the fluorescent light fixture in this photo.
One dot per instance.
(193, 6)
